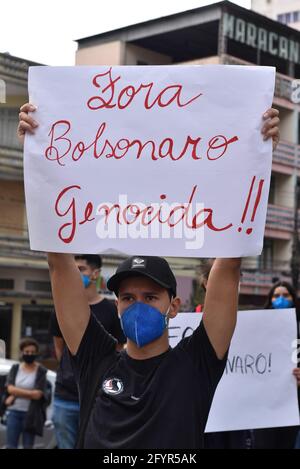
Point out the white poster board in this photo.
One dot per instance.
(165, 160)
(257, 389)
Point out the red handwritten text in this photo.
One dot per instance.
(110, 97)
(61, 146)
(66, 206)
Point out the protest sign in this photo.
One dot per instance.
(257, 389)
(166, 160)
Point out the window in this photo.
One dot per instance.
(6, 284)
(296, 16)
(272, 190)
(291, 17)
(35, 285)
(283, 18)
(36, 323)
(299, 130)
(6, 325)
(267, 255)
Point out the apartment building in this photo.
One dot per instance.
(284, 11)
(24, 281)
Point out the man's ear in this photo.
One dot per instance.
(175, 307)
(96, 274)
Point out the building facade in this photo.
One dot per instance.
(224, 33)
(24, 282)
(284, 11)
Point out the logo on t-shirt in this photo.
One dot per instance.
(113, 386)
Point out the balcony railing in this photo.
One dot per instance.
(298, 156)
(280, 218)
(15, 67)
(263, 279)
(283, 87)
(286, 153)
(8, 127)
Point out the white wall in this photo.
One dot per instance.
(118, 53)
(289, 125)
(282, 252)
(284, 190)
(103, 54)
(134, 53)
(272, 8)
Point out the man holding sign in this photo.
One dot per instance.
(151, 396)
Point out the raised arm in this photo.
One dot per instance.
(71, 307)
(221, 303)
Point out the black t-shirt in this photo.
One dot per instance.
(162, 402)
(106, 313)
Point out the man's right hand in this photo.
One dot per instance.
(26, 122)
(296, 373)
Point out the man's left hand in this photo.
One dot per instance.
(271, 126)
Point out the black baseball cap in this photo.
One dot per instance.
(155, 268)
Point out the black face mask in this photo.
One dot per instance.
(29, 359)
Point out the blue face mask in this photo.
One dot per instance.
(281, 303)
(143, 323)
(85, 280)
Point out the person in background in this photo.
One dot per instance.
(281, 295)
(66, 399)
(26, 386)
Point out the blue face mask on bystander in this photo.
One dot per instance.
(85, 280)
(281, 302)
(143, 323)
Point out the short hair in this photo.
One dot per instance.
(93, 260)
(29, 341)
